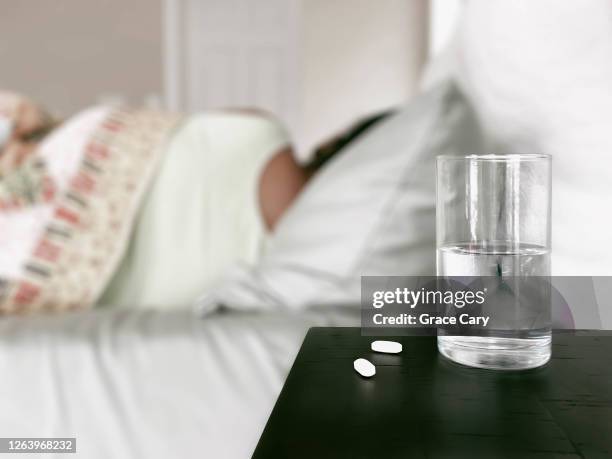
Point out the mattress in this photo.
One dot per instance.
(150, 384)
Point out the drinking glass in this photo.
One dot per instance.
(493, 224)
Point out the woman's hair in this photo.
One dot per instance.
(327, 150)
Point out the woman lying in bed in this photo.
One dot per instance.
(137, 208)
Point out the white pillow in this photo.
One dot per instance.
(370, 211)
(540, 77)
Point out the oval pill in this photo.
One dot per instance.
(388, 347)
(364, 367)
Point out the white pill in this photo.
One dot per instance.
(388, 347)
(364, 368)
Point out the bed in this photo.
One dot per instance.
(150, 384)
(134, 383)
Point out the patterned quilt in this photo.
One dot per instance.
(86, 232)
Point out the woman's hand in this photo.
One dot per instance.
(22, 124)
(25, 117)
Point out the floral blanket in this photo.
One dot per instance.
(85, 231)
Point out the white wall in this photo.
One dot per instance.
(317, 64)
(70, 53)
(357, 56)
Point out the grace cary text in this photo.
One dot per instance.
(426, 319)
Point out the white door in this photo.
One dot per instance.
(238, 53)
(316, 64)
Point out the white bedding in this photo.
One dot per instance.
(150, 384)
(61, 151)
(201, 214)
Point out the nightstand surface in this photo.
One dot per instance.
(423, 406)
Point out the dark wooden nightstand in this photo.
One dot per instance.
(423, 406)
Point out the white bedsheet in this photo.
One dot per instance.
(150, 384)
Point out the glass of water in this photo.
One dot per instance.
(493, 223)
